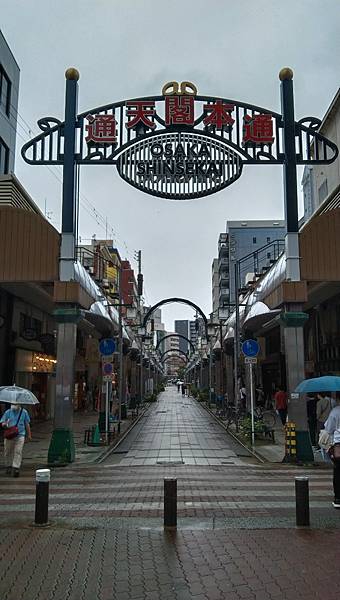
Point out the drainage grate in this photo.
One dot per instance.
(170, 462)
(158, 412)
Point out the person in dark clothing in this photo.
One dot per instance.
(312, 419)
(184, 387)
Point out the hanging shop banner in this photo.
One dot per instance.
(179, 145)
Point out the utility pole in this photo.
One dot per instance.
(138, 257)
(121, 366)
(236, 343)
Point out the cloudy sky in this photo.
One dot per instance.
(130, 48)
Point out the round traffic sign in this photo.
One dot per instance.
(107, 346)
(107, 368)
(250, 348)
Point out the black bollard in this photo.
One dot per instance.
(302, 501)
(42, 478)
(170, 503)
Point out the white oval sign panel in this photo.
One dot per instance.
(179, 165)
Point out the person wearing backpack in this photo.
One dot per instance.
(16, 424)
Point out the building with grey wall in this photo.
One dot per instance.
(255, 239)
(9, 91)
(215, 285)
(193, 332)
(308, 192)
(321, 183)
(260, 241)
(182, 327)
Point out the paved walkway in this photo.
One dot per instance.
(35, 452)
(177, 430)
(236, 534)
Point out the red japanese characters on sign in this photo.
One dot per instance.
(140, 112)
(258, 129)
(101, 129)
(179, 110)
(219, 116)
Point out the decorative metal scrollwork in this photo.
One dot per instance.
(312, 146)
(310, 122)
(45, 123)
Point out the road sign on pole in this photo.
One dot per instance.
(250, 360)
(250, 348)
(107, 346)
(107, 368)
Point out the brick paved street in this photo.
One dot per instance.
(236, 534)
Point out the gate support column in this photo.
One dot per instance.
(62, 448)
(292, 317)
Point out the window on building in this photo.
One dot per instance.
(323, 191)
(5, 91)
(4, 158)
(30, 323)
(268, 240)
(268, 255)
(254, 240)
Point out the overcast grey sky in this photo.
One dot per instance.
(131, 48)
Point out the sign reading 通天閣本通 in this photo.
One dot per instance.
(179, 145)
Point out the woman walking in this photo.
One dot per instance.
(16, 421)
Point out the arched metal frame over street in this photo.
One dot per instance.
(181, 301)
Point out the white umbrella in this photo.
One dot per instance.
(13, 394)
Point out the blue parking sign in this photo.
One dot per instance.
(250, 348)
(107, 346)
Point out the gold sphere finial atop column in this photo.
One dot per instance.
(72, 73)
(286, 73)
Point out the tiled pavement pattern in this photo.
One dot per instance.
(178, 430)
(115, 496)
(236, 537)
(106, 564)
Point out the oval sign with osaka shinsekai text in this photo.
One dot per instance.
(179, 165)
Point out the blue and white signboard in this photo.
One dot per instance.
(250, 348)
(107, 346)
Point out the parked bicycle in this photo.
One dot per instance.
(267, 416)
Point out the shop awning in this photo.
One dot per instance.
(229, 336)
(104, 321)
(258, 315)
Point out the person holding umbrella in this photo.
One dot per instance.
(15, 417)
(332, 427)
(16, 424)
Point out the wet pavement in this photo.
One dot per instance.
(236, 535)
(177, 430)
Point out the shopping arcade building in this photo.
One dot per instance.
(30, 294)
(262, 307)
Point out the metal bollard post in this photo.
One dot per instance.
(42, 478)
(170, 503)
(302, 501)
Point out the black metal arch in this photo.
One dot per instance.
(181, 301)
(175, 356)
(175, 335)
(174, 350)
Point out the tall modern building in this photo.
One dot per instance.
(215, 277)
(182, 327)
(223, 294)
(257, 243)
(248, 238)
(193, 332)
(9, 91)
